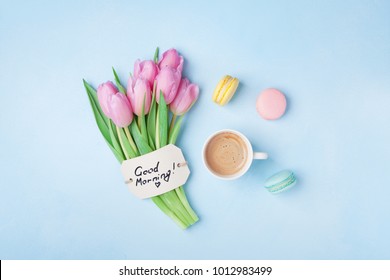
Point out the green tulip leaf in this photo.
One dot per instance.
(144, 131)
(151, 142)
(163, 207)
(175, 131)
(118, 156)
(99, 115)
(101, 120)
(142, 144)
(126, 144)
(162, 123)
(151, 122)
(115, 141)
(118, 82)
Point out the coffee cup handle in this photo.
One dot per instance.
(257, 155)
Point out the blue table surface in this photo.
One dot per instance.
(62, 193)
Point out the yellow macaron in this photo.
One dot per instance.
(225, 90)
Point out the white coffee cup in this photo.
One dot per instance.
(228, 154)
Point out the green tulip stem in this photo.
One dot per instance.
(131, 141)
(161, 204)
(154, 88)
(158, 146)
(121, 143)
(139, 122)
(180, 190)
(172, 124)
(183, 199)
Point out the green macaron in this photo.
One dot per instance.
(280, 182)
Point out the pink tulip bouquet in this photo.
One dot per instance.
(143, 117)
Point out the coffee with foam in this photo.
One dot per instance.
(226, 154)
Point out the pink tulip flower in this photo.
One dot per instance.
(138, 92)
(120, 110)
(146, 69)
(168, 80)
(172, 59)
(186, 96)
(104, 92)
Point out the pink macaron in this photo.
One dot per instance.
(271, 104)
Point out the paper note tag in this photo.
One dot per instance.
(156, 173)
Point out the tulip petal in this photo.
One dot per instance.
(179, 68)
(140, 96)
(120, 110)
(171, 58)
(104, 92)
(101, 120)
(137, 68)
(185, 98)
(148, 71)
(168, 81)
